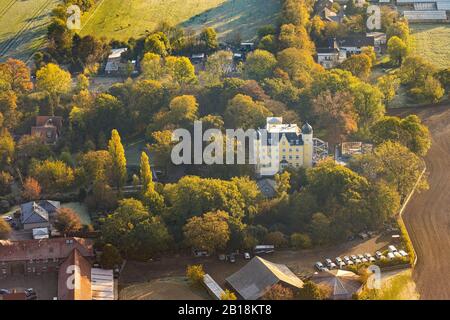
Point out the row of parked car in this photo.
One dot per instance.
(340, 263)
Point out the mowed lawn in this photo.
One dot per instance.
(432, 41)
(120, 19)
(23, 26)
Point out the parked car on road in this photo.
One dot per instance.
(5, 291)
(392, 248)
(364, 260)
(330, 264)
(232, 258)
(353, 257)
(378, 254)
(390, 256)
(403, 253)
(357, 261)
(338, 260)
(397, 254)
(319, 266)
(246, 256)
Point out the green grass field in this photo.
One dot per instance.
(432, 41)
(121, 19)
(23, 26)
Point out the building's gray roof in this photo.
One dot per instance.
(258, 276)
(343, 283)
(292, 137)
(307, 129)
(37, 212)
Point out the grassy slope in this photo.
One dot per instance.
(432, 41)
(23, 26)
(121, 19)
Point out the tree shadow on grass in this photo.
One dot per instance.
(237, 17)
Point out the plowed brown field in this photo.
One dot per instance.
(427, 216)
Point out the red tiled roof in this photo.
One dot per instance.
(41, 121)
(74, 278)
(55, 248)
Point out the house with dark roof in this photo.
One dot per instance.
(36, 214)
(353, 44)
(48, 128)
(329, 55)
(259, 275)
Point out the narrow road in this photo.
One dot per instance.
(427, 216)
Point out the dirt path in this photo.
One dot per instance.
(427, 216)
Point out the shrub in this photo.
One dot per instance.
(277, 238)
(300, 241)
(195, 274)
(110, 257)
(228, 295)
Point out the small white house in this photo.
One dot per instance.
(114, 63)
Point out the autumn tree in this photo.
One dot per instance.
(161, 147)
(359, 65)
(149, 195)
(217, 66)
(67, 221)
(336, 114)
(110, 257)
(146, 174)
(299, 65)
(31, 189)
(397, 50)
(300, 241)
(8, 109)
(388, 85)
(195, 274)
(94, 166)
(431, 90)
(278, 292)
(152, 67)
(243, 112)
(5, 229)
(208, 39)
(209, 232)
(157, 43)
(17, 75)
(53, 176)
(6, 180)
(135, 232)
(53, 80)
(408, 131)
(119, 162)
(368, 104)
(7, 147)
(415, 70)
(282, 181)
(292, 36)
(181, 70)
(393, 163)
(259, 65)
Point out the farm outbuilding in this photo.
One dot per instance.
(343, 283)
(259, 275)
